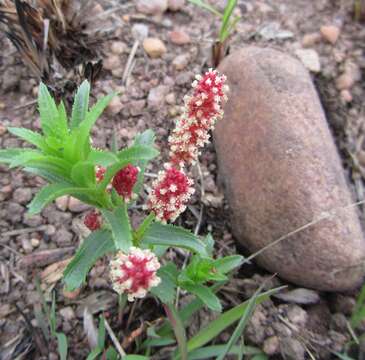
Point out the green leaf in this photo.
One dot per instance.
(178, 328)
(90, 119)
(7, 155)
(51, 192)
(206, 6)
(49, 176)
(342, 356)
(101, 332)
(31, 137)
(147, 138)
(111, 354)
(62, 116)
(205, 295)
(166, 290)
(137, 153)
(226, 319)
(96, 245)
(83, 174)
(121, 229)
(169, 235)
(103, 158)
(358, 313)
(94, 354)
(238, 332)
(226, 19)
(214, 350)
(48, 111)
(209, 244)
(80, 105)
(158, 342)
(62, 345)
(135, 357)
(228, 263)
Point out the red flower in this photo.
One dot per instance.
(99, 173)
(124, 181)
(92, 220)
(134, 273)
(202, 110)
(170, 194)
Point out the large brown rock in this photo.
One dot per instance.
(281, 170)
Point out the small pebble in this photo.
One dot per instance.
(115, 106)
(154, 47)
(175, 5)
(310, 59)
(151, 7)
(179, 37)
(311, 39)
(181, 61)
(330, 33)
(34, 242)
(118, 47)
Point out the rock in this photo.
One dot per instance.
(181, 61)
(112, 62)
(68, 313)
(26, 245)
(62, 202)
(175, 5)
(22, 195)
(151, 7)
(140, 31)
(118, 47)
(154, 47)
(311, 39)
(330, 33)
(32, 220)
(156, 96)
(271, 345)
(339, 322)
(184, 78)
(63, 238)
(297, 316)
(299, 296)
(115, 106)
(14, 212)
(346, 96)
(137, 107)
(75, 205)
(345, 82)
(179, 37)
(281, 170)
(292, 349)
(170, 99)
(310, 59)
(34, 242)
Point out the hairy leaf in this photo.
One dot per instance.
(80, 105)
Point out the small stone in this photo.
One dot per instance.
(112, 62)
(339, 322)
(271, 345)
(296, 315)
(345, 82)
(137, 107)
(75, 205)
(14, 212)
(156, 96)
(63, 237)
(310, 59)
(346, 96)
(26, 245)
(170, 99)
(175, 5)
(68, 313)
(140, 31)
(118, 47)
(311, 39)
(22, 195)
(330, 33)
(154, 47)
(181, 61)
(115, 106)
(184, 78)
(62, 202)
(34, 242)
(292, 349)
(179, 37)
(151, 7)
(32, 220)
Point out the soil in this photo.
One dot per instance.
(306, 325)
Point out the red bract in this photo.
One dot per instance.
(170, 194)
(134, 273)
(92, 220)
(124, 181)
(202, 110)
(99, 173)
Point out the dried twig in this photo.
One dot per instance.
(114, 339)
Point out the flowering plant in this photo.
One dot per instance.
(110, 181)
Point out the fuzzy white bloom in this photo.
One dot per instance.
(134, 273)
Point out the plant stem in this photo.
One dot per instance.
(138, 234)
(179, 329)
